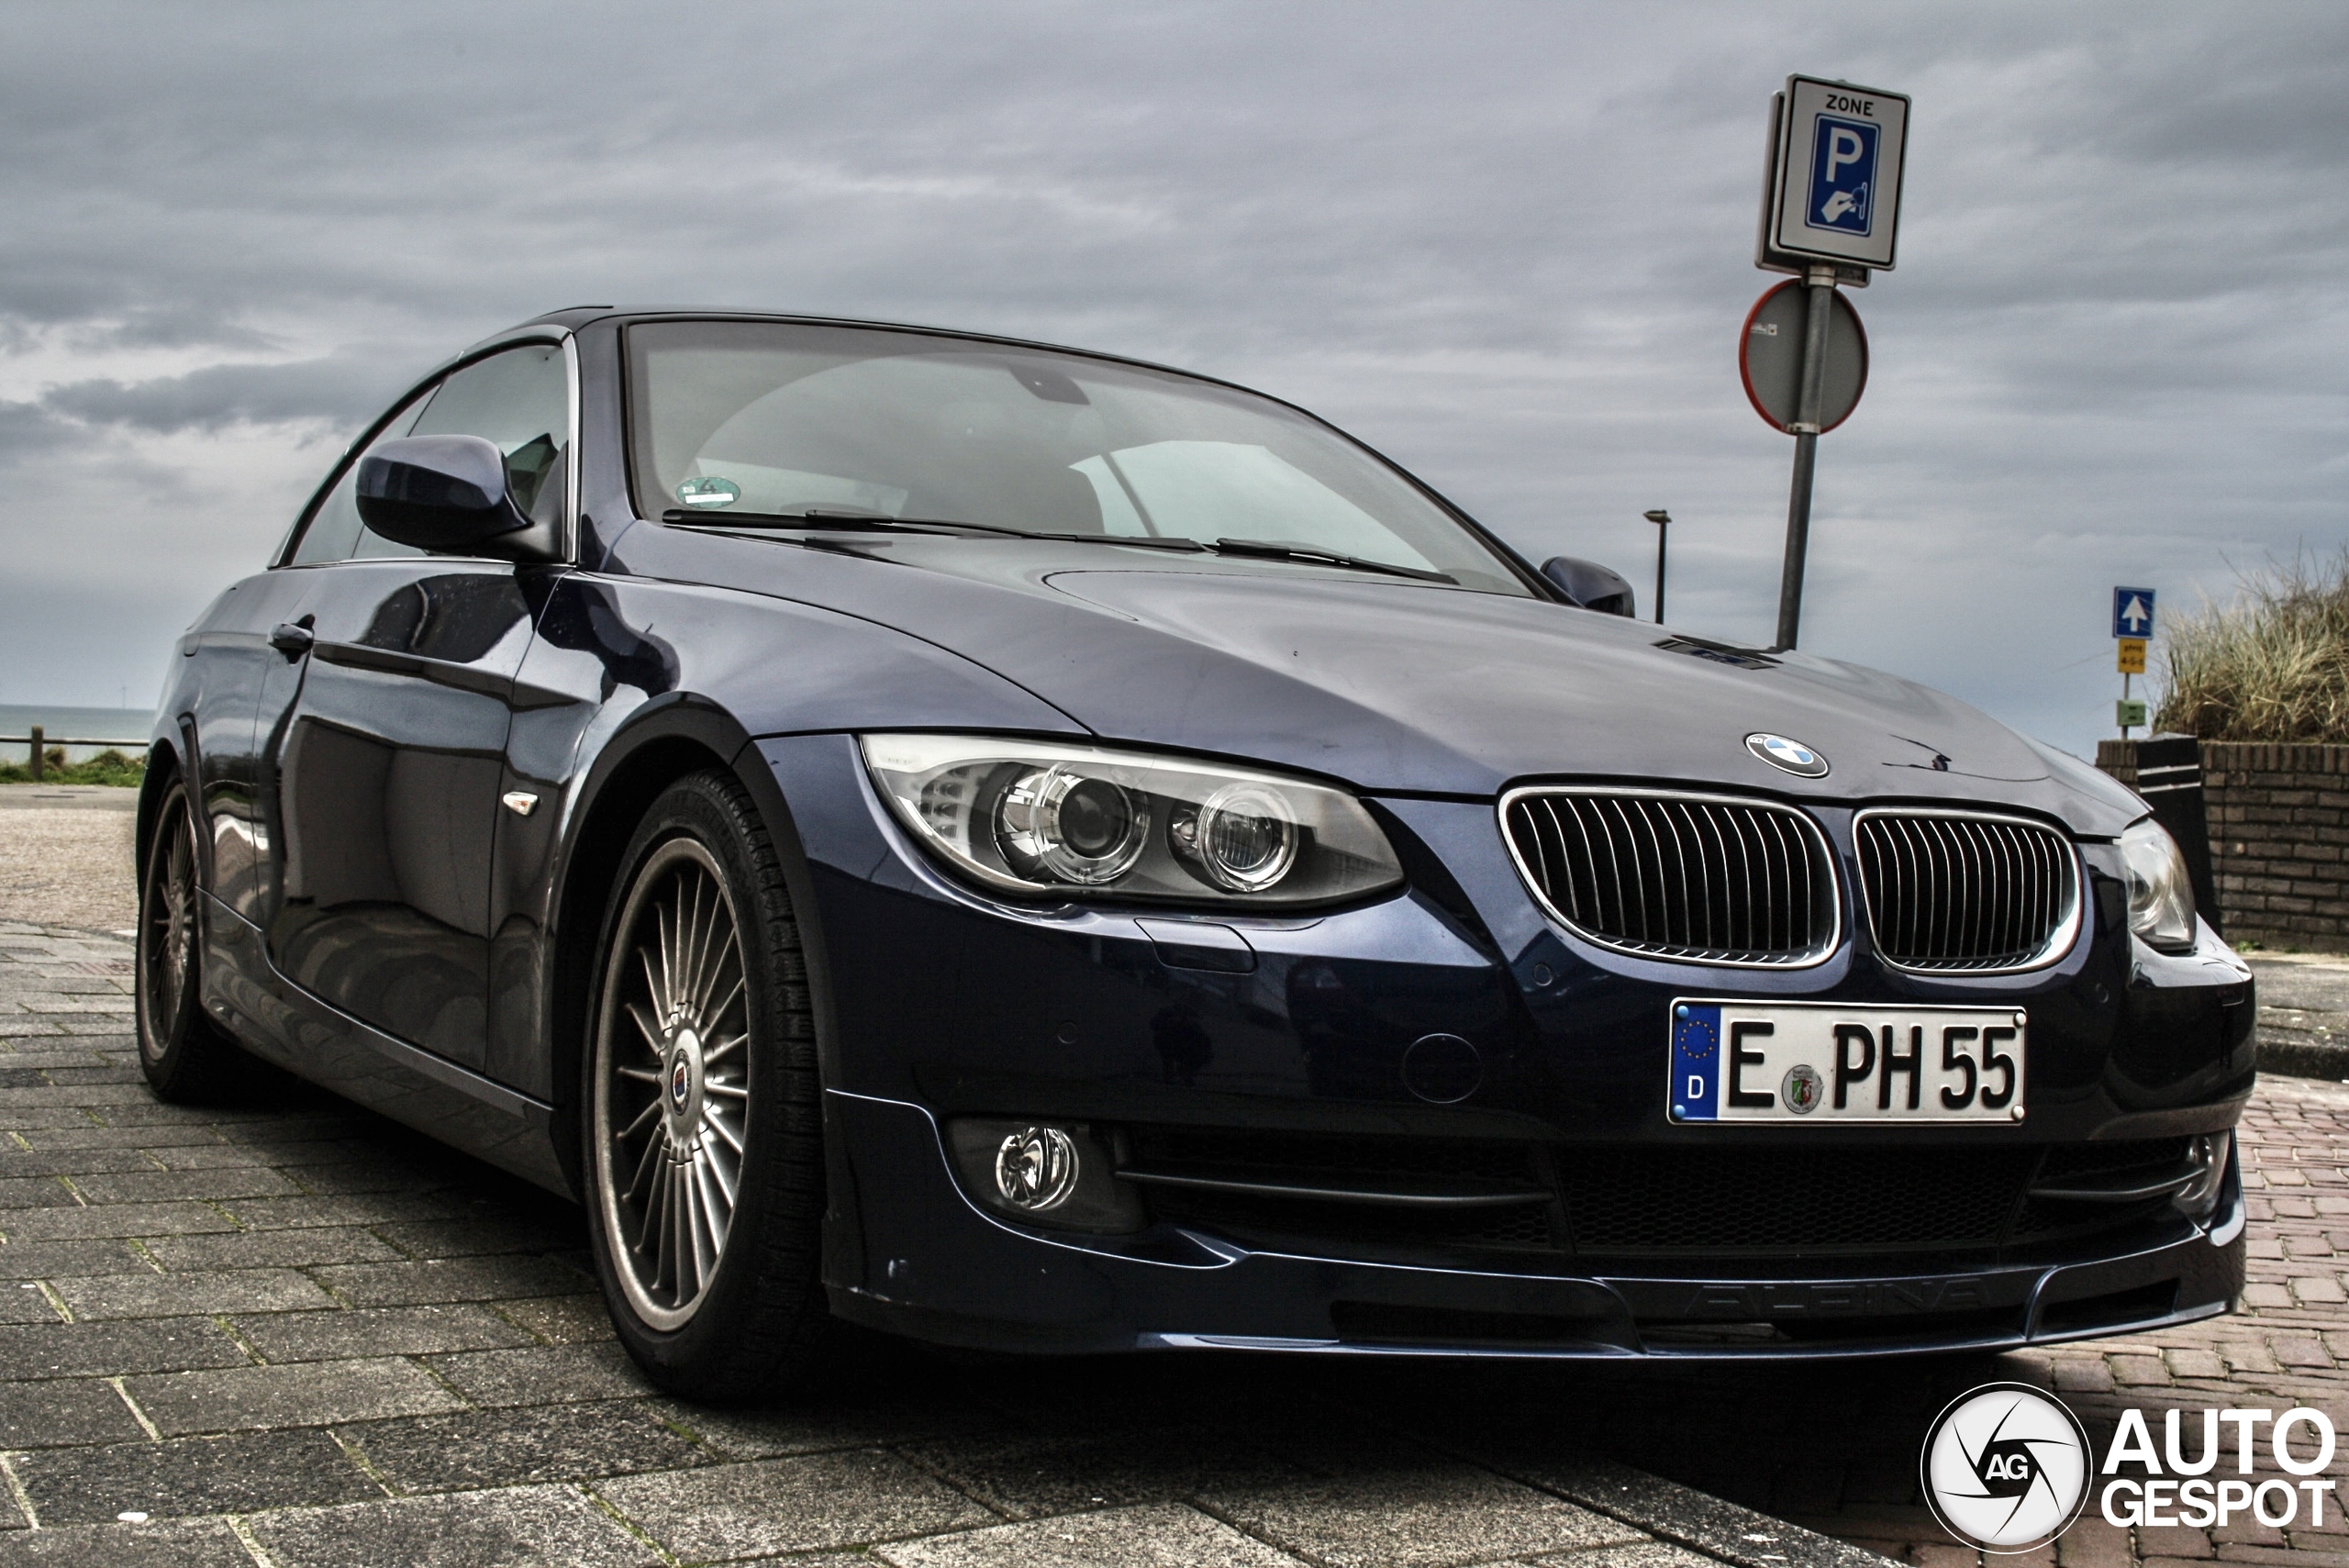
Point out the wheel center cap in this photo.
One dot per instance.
(680, 1084)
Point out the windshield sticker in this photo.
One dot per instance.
(709, 493)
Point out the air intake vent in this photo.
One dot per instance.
(1949, 890)
(1689, 876)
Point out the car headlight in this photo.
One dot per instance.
(2161, 895)
(1038, 816)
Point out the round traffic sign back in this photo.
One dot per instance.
(1769, 356)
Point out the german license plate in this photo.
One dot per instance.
(1824, 1062)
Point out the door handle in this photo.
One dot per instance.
(291, 638)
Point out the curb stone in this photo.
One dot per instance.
(2297, 1053)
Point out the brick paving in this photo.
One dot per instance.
(1835, 1447)
(286, 1331)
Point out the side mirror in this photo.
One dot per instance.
(1590, 587)
(438, 493)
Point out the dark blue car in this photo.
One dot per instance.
(1034, 852)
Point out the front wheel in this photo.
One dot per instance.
(185, 1056)
(700, 1105)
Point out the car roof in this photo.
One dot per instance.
(571, 318)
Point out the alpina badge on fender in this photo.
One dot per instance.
(1792, 755)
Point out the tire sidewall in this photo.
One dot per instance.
(693, 806)
(163, 1059)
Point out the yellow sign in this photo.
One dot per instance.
(2132, 655)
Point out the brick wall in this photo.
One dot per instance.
(2278, 818)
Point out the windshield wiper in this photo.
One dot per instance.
(1270, 550)
(872, 522)
(1140, 541)
(816, 520)
(1315, 555)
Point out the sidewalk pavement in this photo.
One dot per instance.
(68, 797)
(2303, 1013)
(65, 855)
(287, 1332)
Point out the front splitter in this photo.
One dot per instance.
(927, 1263)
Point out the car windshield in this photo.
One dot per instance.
(782, 419)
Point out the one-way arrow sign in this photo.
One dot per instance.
(2132, 611)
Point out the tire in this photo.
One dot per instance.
(186, 1057)
(700, 1070)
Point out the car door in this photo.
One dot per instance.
(225, 661)
(386, 759)
(327, 535)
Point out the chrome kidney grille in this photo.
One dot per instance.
(1711, 878)
(1956, 891)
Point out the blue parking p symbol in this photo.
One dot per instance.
(1843, 175)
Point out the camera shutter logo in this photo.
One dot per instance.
(2005, 1467)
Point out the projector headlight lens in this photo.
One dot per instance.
(1242, 838)
(1041, 818)
(1060, 824)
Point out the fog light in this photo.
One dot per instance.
(2210, 1153)
(1035, 1169)
(1054, 1173)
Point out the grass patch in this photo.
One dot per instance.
(2271, 665)
(108, 767)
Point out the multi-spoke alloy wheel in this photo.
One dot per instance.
(699, 1117)
(183, 1056)
(672, 1081)
(167, 931)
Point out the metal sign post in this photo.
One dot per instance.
(1822, 290)
(1830, 211)
(2132, 625)
(1663, 521)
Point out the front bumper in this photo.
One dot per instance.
(942, 1002)
(945, 1271)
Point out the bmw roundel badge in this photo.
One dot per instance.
(1791, 755)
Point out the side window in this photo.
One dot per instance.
(334, 528)
(519, 400)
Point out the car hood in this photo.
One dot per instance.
(1400, 688)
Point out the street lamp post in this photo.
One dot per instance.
(1663, 521)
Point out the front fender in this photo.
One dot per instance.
(608, 708)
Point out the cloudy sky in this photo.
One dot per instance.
(1509, 243)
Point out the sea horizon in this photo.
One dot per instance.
(76, 719)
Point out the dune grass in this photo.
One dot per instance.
(2271, 664)
(107, 767)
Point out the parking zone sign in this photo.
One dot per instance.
(1836, 163)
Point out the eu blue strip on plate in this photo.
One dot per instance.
(1696, 1061)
